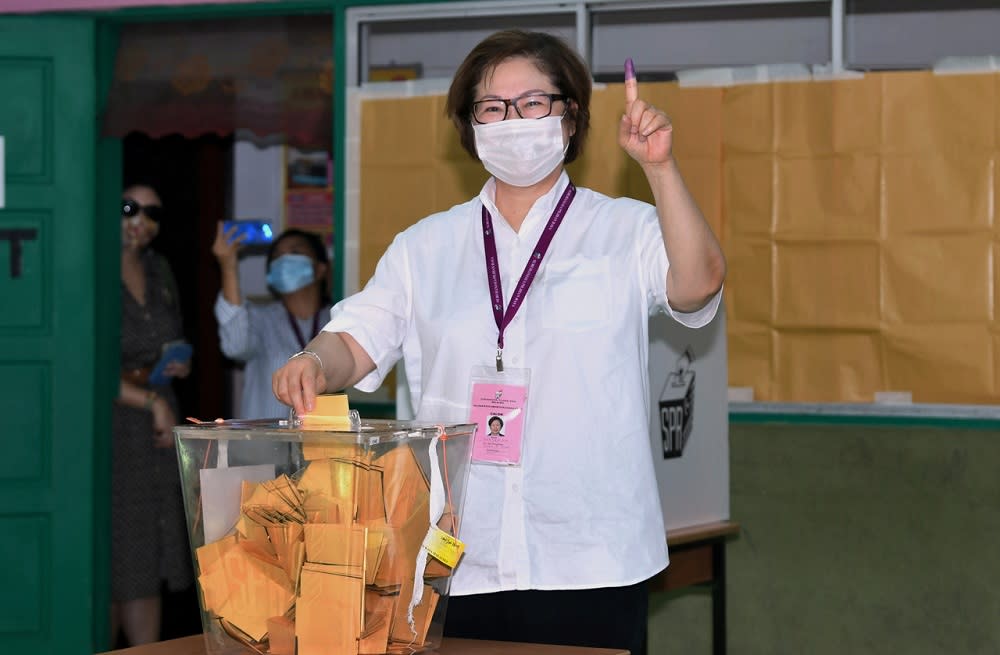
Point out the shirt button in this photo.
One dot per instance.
(516, 488)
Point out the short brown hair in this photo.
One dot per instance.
(552, 55)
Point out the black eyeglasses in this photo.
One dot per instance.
(131, 208)
(530, 105)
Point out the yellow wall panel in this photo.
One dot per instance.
(995, 343)
(822, 118)
(924, 112)
(833, 196)
(609, 99)
(858, 216)
(994, 189)
(399, 132)
(995, 290)
(454, 183)
(826, 285)
(654, 94)
(826, 366)
(697, 116)
(748, 119)
(938, 279)
(604, 165)
(392, 198)
(703, 176)
(609, 177)
(941, 363)
(635, 185)
(996, 112)
(749, 346)
(749, 286)
(447, 145)
(938, 193)
(747, 203)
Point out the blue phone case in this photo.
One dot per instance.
(254, 232)
(179, 351)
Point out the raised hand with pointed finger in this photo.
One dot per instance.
(644, 132)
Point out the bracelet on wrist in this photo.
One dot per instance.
(151, 398)
(310, 353)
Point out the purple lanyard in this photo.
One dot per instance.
(295, 327)
(503, 318)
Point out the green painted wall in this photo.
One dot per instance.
(855, 539)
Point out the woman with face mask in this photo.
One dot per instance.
(265, 335)
(536, 283)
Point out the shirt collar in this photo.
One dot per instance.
(543, 207)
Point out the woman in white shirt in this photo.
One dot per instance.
(265, 335)
(562, 532)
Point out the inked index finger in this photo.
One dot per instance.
(631, 85)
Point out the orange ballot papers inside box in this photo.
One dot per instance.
(339, 536)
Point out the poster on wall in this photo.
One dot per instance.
(310, 210)
(309, 192)
(307, 170)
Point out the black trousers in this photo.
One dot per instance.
(609, 617)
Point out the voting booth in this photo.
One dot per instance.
(333, 540)
(689, 419)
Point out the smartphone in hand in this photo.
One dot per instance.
(255, 232)
(173, 351)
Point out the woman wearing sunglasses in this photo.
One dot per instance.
(149, 541)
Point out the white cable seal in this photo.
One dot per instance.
(436, 507)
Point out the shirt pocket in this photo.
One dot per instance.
(577, 294)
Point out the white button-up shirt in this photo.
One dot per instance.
(582, 510)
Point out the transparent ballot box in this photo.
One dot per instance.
(314, 541)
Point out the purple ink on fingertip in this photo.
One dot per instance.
(629, 69)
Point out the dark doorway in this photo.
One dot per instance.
(194, 179)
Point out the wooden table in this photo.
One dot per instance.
(195, 645)
(698, 557)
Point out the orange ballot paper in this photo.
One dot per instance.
(330, 412)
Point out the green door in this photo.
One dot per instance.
(50, 399)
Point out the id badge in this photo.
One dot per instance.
(497, 407)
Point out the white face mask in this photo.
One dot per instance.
(521, 151)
